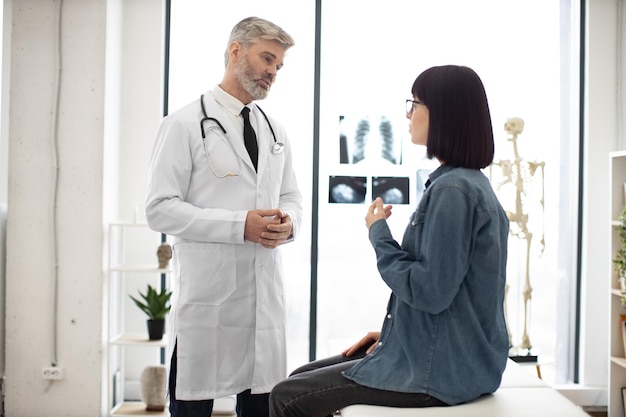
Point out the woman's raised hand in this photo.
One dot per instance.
(377, 212)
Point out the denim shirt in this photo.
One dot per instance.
(444, 333)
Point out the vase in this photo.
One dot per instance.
(153, 383)
(156, 329)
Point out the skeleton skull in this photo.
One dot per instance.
(514, 126)
(164, 253)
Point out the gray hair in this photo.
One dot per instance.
(253, 29)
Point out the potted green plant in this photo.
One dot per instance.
(156, 306)
(619, 261)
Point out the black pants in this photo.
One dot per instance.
(248, 405)
(318, 389)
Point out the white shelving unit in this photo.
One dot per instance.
(617, 365)
(132, 264)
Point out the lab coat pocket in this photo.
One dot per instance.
(221, 157)
(206, 271)
(276, 167)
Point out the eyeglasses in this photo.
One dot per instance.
(410, 105)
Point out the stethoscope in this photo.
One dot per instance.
(277, 148)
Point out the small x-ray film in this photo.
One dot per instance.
(347, 190)
(393, 190)
(370, 139)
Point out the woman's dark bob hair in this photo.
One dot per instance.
(460, 131)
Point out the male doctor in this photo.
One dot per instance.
(228, 211)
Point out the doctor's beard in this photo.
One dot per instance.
(245, 74)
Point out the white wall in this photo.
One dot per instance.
(30, 324)
(141, 99)
(4, 111)
(140, 113)
(110, 106)
(4, 168)
(601, 138)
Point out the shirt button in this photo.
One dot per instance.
(389, 316)
(380, 343)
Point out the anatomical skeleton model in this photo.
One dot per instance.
(519, 175)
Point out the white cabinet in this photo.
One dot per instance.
(132, 265)
(617, 365)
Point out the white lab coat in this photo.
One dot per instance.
(228, 315)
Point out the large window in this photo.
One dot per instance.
(370, 53)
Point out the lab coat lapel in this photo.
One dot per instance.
(234, 133)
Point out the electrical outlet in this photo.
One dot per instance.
(52, 372)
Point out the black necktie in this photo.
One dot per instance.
(249, 137)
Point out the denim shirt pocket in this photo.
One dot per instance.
(416, 226)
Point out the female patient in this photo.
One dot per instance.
(444, 339)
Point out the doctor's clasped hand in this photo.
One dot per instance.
(269, 228)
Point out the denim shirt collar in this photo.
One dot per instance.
(438, 173)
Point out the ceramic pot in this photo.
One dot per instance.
(153, 382)
(156, 329)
